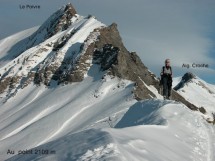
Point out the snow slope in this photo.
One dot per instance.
(150, 130)
(8, 43)
(41, 114)
(199, 92)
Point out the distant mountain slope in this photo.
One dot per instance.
(197, 91)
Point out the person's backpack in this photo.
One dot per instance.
(169, 80)
(169, 67)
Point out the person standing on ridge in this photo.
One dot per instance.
(166, 79)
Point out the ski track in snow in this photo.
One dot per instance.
(64, 125)
(91, 103)
(22, 107)
(36, 118)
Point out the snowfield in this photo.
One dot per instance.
(150, 130)
(40, 115)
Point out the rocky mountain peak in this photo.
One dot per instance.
(70, 10)
(188, 76)
(60, 20)
(57, 22)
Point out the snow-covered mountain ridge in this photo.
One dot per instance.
(149, 130)
(197, 91)
(27, 67)
(72, 90)
(67, 55)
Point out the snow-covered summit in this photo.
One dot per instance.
(197, 91)
(185, 79)
(58, 21)
(50, 53)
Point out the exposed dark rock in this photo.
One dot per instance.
(61, 42)
(28, 80)
(59, 21)
(202, 110)
(111, 54)
(38, 78)
(106, 56)
(185, 79)
(70, 10)
(75, 76)
(176, 96)
(4, 83)
(212, 121)
(188, 76)
(81, 65)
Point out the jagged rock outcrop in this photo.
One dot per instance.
(125, 64)
(109, 52)
(187, 77)
(59, 21)
(62, 21)
(179, 98)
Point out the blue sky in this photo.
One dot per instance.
(182, 30)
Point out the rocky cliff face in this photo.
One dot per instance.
(59, 21)
(110, 53)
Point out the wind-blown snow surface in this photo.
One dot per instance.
(40, 115)
(199, 92)
(151, 130)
